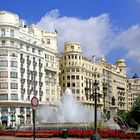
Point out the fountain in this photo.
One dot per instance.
(69, 111)
(70, 118)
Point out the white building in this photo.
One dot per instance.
(27, 56)
(79, 74)
(133, 89)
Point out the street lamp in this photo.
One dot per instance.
(94, 95)
(96, 83)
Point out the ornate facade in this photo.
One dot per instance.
(133, 90)
(79, 74)
(28, 67)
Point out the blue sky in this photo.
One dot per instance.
(103, 27)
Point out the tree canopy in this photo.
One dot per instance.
(135, 110)
(132, 117)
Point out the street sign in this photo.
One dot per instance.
(34, 102)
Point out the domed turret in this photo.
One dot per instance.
(72, 46)
(122, 65)
(7, 18)
(135, 76)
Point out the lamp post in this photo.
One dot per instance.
(95, 136)
(96, 83)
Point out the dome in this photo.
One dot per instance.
(8, 18)
(135, 76)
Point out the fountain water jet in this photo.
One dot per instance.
(69, 111)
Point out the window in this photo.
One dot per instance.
(68, 84)
(3, 42)
(3, 63)
(68, 77)
(14, 64)
(73, 77)
(22, 97)
(13, 54)
(14, 86)
(3, 32)
(33, 50)
(77, 91)
(77, 77)
(3, 96)
(39, 51)
(40, 98)
(13, 74)
(78, 98)
(14, 97)
(73, 84)
(4, 85)
(72, 56)
(12, 42)
(72, 70)
(28, 97)
(77, 84)
(21, 46)
(11, 32)
(48, 41)
(3, 53)
(4, 74)
(72, 47)
(48, 91)
(27, 48)
(51, 57)
(73, 91)
(47, 56)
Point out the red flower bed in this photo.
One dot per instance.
(10, 133)
(73, 133)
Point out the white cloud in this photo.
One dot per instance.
(130, 40)
(94, 33)
(138, 1)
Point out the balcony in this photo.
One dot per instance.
(28, 61)
(29, 81)
(34, 83)
(22, 90)
(40, 74)
(40, 93)
(22, 70)
(34, 73)
(40, 65)
(35, 92)
(31, 91)
(28, 72)
(40, 84)
(34, 63)
(28, 113)
(22, 81)
(22, 60)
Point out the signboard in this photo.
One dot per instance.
(34, 102)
